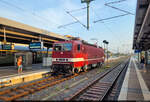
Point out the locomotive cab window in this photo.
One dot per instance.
(78, 47)
(67, 47)
(63, 47)
(57, 47)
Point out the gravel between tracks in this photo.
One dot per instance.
(66, 88)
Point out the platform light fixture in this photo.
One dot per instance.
(106, 42)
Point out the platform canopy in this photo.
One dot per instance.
(141, 38)
(16, 32)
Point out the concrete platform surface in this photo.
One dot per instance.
(9, 75)
(136, 84)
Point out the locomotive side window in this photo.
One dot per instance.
(78, 47)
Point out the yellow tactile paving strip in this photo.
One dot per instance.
(12, 80)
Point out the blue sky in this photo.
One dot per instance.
(49, 14)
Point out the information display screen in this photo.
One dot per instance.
(36, 45)
(7, 47)
(137, 51)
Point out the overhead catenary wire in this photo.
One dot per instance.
(124, 11)
(114, 2)
(76, 21)
(21, 9)
(119, 9)
(24, 10)
(33, 14)
(67, 24)
(103, 23)
(77, 9)
(110, 18)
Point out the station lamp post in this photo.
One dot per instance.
(106, 42)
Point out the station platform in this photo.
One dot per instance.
(136, 84)
(9, 75)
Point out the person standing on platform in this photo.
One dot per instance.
(19, 64)
(142, 62)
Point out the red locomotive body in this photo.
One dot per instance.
(75, 55)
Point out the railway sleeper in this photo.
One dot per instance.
(12, 94)
(97, 90)
(100, 87)
(87, 98)
(20, 90)
(91, 95)
(94, 92)
(112, 95)
(30, 90)
(18, 95)
(4, 98)
(104, 83)
(5, 91)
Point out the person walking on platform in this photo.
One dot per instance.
(142, 62)
(19, 64)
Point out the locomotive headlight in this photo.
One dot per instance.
(54, 59)
(69, 59)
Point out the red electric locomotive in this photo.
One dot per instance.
(74, 56)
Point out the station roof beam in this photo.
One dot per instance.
(21, 33)
(141, 38)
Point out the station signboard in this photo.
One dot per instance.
(7, 46)
(137, 51)
(36, 45)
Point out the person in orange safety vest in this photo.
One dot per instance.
(19, 64)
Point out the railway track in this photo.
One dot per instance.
(20, 91)
(99, 89)
(23, 90)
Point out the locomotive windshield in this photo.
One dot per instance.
(63, 47)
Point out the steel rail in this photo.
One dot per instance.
(23, 90)
(26, 89)
(113, 82)
(80, 92)
(20, 91)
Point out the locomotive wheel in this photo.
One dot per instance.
(85, 68)
(70, 72)
(99, 65)
(75, 70)
(79, 69)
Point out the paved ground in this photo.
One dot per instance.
(136, 83)
(12, 70)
